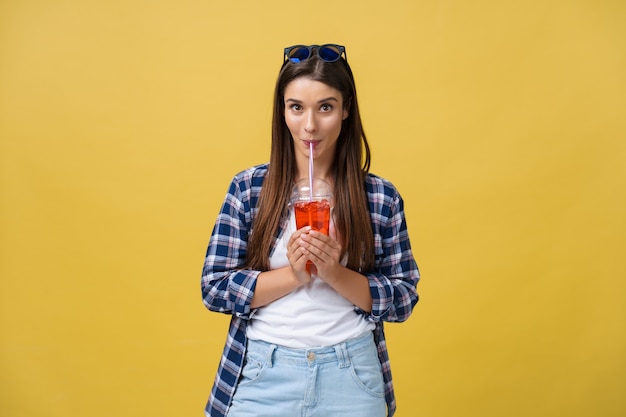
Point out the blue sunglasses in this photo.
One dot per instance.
(327, 53)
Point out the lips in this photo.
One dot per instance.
(309, 142)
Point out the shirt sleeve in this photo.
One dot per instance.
(394, 280)
(226, 286)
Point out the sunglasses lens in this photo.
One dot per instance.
(329, 53)
(298, 54)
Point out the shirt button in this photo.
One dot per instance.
(310, 356)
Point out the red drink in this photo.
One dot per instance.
(313, 213)
(311, 203)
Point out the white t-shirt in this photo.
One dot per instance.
(313, 315)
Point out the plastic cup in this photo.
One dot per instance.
(312, 207)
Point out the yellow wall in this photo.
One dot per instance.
(502, 123)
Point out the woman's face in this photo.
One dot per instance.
(313, 113)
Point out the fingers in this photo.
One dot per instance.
(296, 235)
(309, 245)
(297, 258)
(320, 248)
(320, 240)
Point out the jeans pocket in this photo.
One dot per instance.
(253, 368)
(367, 372)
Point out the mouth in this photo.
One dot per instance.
(310, 142)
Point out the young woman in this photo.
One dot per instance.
(309, 340)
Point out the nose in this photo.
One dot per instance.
(310, 125)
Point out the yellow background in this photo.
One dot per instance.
(502, 123)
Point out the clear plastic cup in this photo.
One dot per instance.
(312, 208)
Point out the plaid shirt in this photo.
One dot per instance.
(227, 288)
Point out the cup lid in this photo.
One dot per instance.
(302, 190)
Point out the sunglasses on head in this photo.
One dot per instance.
(327, 53)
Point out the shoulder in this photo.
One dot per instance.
(245, 186)
(250, 179)
(382, 187)
(383, 199)
(252, 174)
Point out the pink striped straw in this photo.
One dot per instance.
(310, 171)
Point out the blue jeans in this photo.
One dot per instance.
(342, 380)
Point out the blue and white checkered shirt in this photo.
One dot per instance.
(227, 288)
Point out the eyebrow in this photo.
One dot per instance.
(319, 101)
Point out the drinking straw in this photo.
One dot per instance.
(310, 182)
(310, 171)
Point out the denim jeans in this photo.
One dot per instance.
(342, 380)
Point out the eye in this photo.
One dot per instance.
(326, 107)
(295, 107)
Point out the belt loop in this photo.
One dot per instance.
(342, 355)
(270, 354)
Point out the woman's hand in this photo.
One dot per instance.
(297, 260)
(324, 252)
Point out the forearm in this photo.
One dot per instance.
(272, 285)
(353, 286)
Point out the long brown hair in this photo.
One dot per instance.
(351, 164)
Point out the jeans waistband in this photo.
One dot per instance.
(306, 356)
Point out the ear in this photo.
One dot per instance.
(346, 108)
